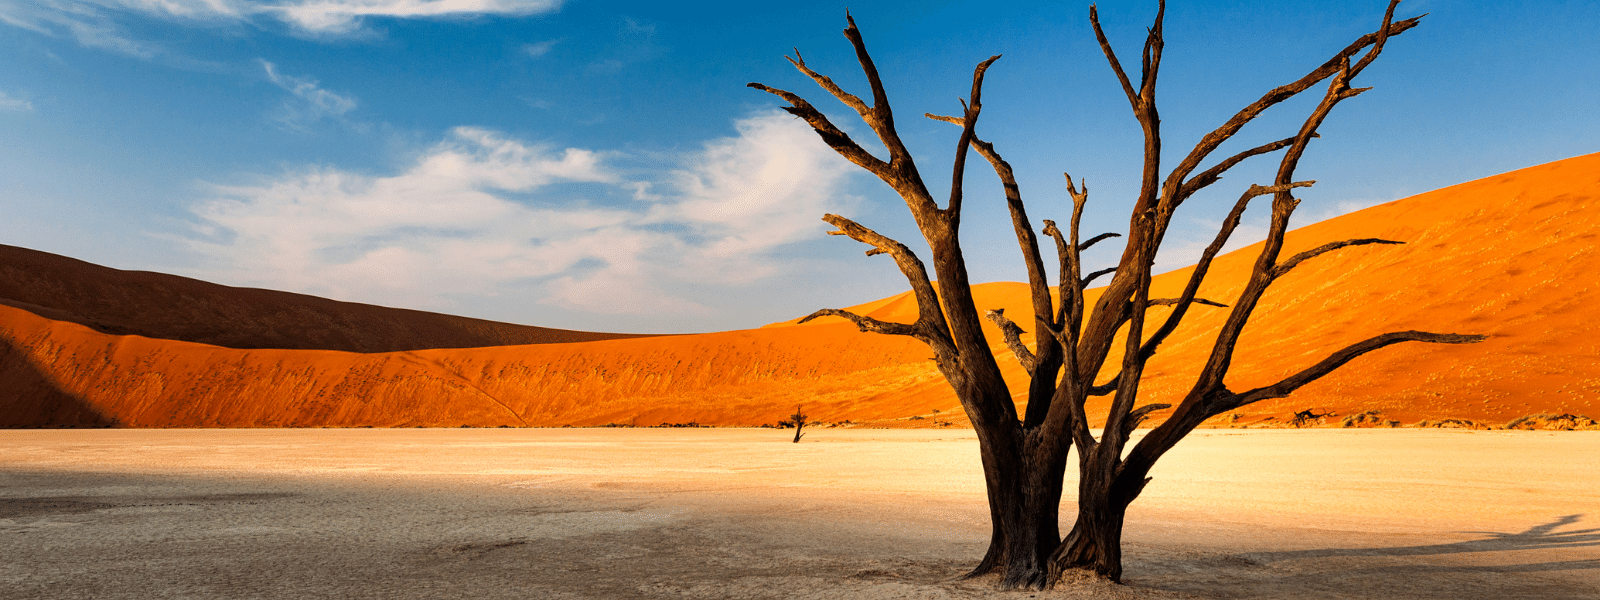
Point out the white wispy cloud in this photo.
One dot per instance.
(477, 215)
(538, 49)
(313, 102)
(98, 23)
(341, 16)
(17, 104)
(92, 23)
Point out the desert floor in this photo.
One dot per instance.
(730, 513)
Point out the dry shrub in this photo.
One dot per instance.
(1371, 418)
(1553, 422)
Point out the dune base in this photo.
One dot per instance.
(730, 513)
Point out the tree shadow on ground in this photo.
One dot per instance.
(1554, 559)
(1538, 537)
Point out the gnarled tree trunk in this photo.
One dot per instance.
(1025, 456)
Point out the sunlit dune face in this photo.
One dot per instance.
(1511, 257)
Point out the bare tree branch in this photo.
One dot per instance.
(868, 324)
(970, 121)
(1097, 239)
(1174, 301)
(1038, 285)
(831, 135)
(1013, 338)
(1137, 416)
(1283, 205)
(881, 119)
(1203, 266)
(1105, 388)
(1072, 285)
(930, 317)
(1383, 34)
(1214, 174)
(1111, 56)
(1151, 57)
(1295, 261)
(849, 99)
(1334, 361)
(1334, 65)
(1047, 357)
(1096, 275)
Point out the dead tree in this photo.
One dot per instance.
(799, 418)
(1025, 455)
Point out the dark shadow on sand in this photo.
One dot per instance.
(31, 399)
(1539, 537)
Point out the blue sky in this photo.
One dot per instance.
(602, 166)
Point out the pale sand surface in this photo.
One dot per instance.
(724, 513)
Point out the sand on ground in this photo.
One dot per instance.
(743, 513)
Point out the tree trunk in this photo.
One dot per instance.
(1024, 509)
(1095, 543)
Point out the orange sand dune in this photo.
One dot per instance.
(1510, 256)
(59, 373)
(178, 308)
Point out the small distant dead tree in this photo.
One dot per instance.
(1024, 456)
(799, 418)
(1307, 417)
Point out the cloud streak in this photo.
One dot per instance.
(314, 101)
(344, 16)
(481, 215)
(97, 23)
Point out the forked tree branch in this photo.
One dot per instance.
(831, 135)
(1336, 64)
(1214, 174)
(1383, 34)
(1283, 206)
(1038, 285)
(1151, 57)
(930, 317)
(968, 123)
(849, 99)
(1046, 360)
(880, 98)
(1203, 266)
(900, 170)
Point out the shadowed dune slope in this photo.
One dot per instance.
(165, 306)
(1512, 256)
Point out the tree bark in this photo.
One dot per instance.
(1025, 513)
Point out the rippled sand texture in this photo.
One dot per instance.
(567, 514)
